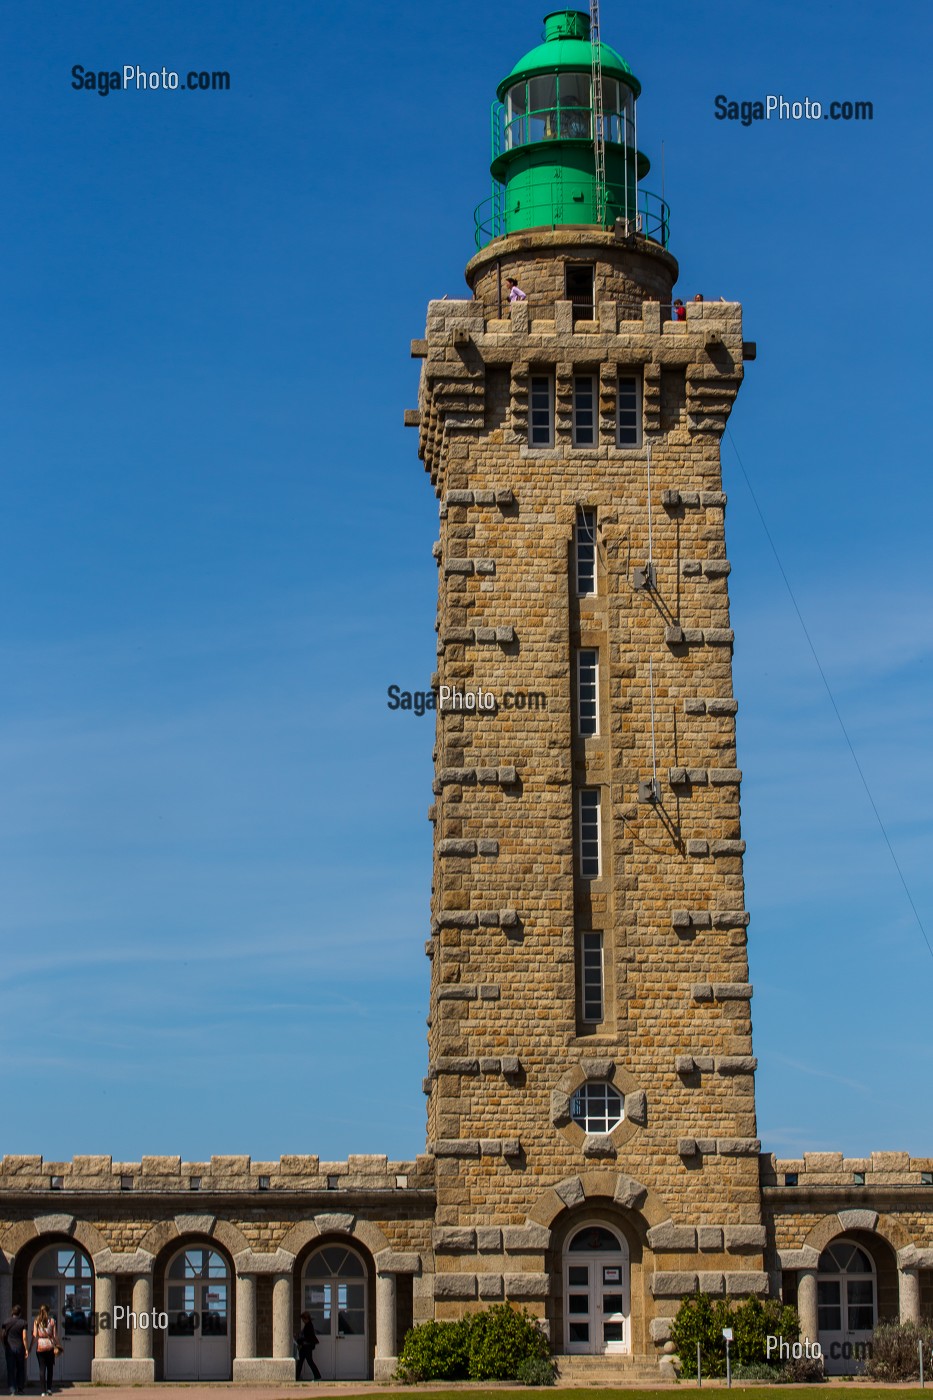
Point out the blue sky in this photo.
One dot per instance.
(215, 551)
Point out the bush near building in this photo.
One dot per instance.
(500, 1343)
(895, 1348)
(701, 1318)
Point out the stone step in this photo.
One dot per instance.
(607, 1368)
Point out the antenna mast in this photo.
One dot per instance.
(599, 132)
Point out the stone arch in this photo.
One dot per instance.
(845, 1222)
(306, 1231)
(158, 1236)
(24, 1232)
(590, 1186)
(371, 1236)
(230, 1237)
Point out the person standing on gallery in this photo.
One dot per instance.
(305, 1342)
(16, 1348)
(45, 1336)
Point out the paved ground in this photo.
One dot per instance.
(345, 1389)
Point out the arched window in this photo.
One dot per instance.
(197, 1300)
(846, 1295)
(62, 1278)
(334, 1291)
(596, 1292)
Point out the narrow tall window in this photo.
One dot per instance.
(584, 410)
(541, 425)
(587, 691)
(589, 833)
(628, 413)
(585, 552)
(592, 978)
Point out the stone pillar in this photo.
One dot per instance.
(806, 1305)
(142, 1304)
(105, 1340)
(107, 1368)
(908, 1291)
(386, 1359)
(245, 1317)
(248, 1368)
(282, 1340)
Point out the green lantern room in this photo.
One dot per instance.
(564, 141)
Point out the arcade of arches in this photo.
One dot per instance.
(221, 1296)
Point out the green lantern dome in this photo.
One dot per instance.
(567, 45)
(544, 148)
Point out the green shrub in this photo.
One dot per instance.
(701, 1318)
(537, 1370)
(489, 1345)
(754, 1321)
(501, 1338)
(894, 1350)
(436, 1351)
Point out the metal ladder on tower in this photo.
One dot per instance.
(599, 131)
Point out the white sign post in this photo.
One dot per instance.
(727, 1333)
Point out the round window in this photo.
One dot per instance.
(597, 1108)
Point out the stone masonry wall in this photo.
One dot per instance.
(506, 1050)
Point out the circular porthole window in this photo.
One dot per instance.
(597, 1107)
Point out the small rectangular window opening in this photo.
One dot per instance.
(584, 410)
(541, 411)
(858, 1178)
(585, 552)
(580, 279)
(194, 1183)
(590, 853)
(628, 411)
(264, 1183)
(332, 1183)
(587, 691)
(591, 978)
(56, 1183)
(126, 1183)
(790, 1178)
(926, 1178)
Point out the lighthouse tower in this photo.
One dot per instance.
(590, 1089)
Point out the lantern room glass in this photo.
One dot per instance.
(561, 105)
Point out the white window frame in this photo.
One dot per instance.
(587, 692)
(592, 974)
(589, 833)
(585, 521)
(593, 1104)
(579, 431)
(629, 381)
(535, 384)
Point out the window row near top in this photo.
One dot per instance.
(559, 105)
(585, 411)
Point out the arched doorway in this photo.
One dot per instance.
(334, 1291)
(62, 1278)
(846, 1294)
(597, 1308)
(197, 1300)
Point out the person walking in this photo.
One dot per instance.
(305, 1342)
(515, 291)
(16, 1348)
(45, 1336)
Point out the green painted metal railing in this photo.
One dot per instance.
(651, 218)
